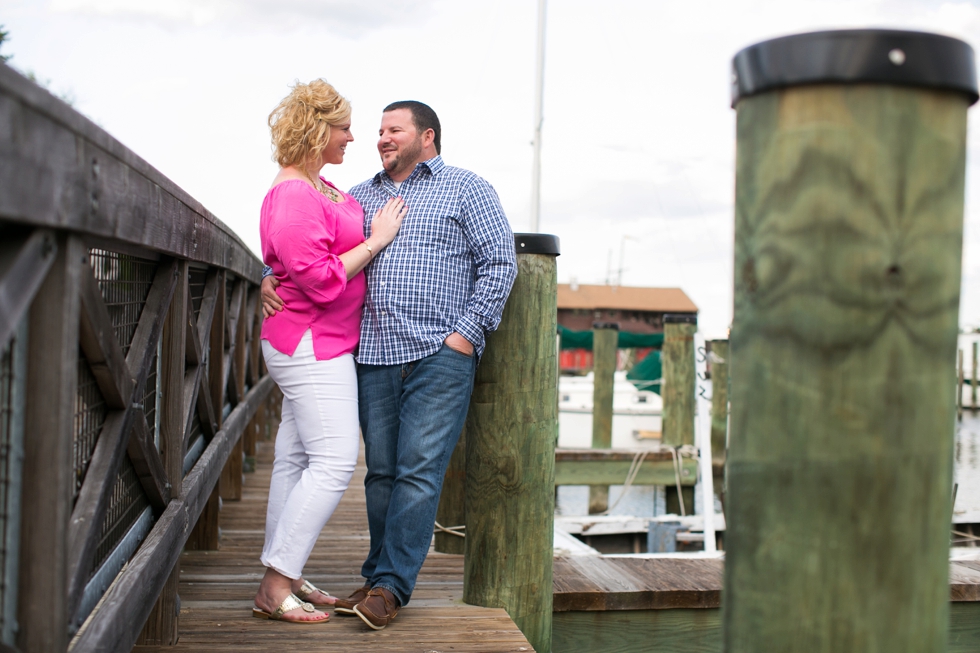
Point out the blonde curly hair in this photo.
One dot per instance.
(301, 123)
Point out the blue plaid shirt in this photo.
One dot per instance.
(450, 268)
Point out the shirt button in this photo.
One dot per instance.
(383, 283)
(384, 312)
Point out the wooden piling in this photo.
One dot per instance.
(848, 235)
(973, 379)
(678, 396)
(959, 385)
(511, 432)
(452, 501)
(605, 337)
(719, 400)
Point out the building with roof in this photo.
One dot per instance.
(636, 310)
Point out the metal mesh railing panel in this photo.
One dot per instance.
(128, 500)
(125, 282)
(90, 413)
(196, 280)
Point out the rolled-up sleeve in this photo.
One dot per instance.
(302, 235)
(491, 242)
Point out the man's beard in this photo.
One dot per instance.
(404, 158)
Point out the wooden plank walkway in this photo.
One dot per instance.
(217, 587)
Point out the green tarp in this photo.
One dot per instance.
(583, 339)
(644, 372)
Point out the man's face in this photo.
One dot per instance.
(399, 142)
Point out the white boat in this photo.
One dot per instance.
(636, 414)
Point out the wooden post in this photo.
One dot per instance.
(52, 363)
(973, 379)
(452, 501)
(511, 432)
(605, 337)
(719, 399)
(959, 385)
(678, 395)
(162, 625)
(848, 235)
(205, 535)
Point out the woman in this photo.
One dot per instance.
(312, 237)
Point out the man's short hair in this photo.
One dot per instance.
(424, 118)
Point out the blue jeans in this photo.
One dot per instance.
(411, 417)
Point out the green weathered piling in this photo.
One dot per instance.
(973, 378)
(848, 234)
(605, 336)
(452, 501)
(678, 395)
(719, 399)
(511, 431)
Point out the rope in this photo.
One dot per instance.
(451, 530)
(630, 477)
(690, 451)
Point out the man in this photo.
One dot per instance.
(433, 295)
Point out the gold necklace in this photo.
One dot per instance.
(324, 189)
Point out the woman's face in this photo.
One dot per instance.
(340, 136)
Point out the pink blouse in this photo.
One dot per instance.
(303, 234)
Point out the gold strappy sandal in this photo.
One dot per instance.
(289, 603)
(307, 589)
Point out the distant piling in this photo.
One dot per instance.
(719, 400)
(511, 432)
(959, 385)
(605, 338)
(973, 379)
(851, 150)
(678, 398)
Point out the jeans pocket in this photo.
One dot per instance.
(459, 353)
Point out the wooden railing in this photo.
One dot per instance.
(130, 369)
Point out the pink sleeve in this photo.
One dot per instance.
(302, 234)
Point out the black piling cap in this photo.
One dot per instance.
(858, 56)
(606, 325)
(537, 244)
(681, 318)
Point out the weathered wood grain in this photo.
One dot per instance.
(511, 432)
(52, 353)
(116, 622)
(639, 631)
(23, 266)
(100, 347)
(604, 356)
(148, 465)
(678, 395)
(217, 588)
(452, 501)
(162, 624)
(848, 236)
(659, 471)
(84, 528)
(719, 400)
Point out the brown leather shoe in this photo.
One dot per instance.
(346, 606)
(378, 609)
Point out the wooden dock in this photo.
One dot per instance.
(216, 589)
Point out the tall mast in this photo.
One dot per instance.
(538, 119)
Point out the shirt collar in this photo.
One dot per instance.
(433, 165)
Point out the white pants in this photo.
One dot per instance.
(316, 451)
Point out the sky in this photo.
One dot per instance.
(638, 141)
